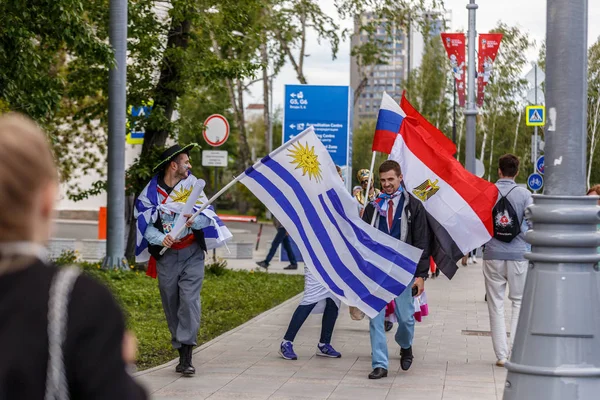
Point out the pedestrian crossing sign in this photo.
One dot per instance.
(536, 115)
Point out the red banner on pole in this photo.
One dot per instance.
(489, 43)
(455, 47)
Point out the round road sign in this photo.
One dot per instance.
(535, 182)
(216, 130)
(539, 165)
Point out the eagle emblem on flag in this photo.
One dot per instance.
(426, 189)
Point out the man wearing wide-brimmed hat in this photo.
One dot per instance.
(181, 269)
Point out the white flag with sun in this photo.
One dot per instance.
(300, 185)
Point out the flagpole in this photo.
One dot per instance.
(369, 181)
(204, 207)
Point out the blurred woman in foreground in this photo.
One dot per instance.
(62, 335)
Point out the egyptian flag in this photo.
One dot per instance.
(458, 203)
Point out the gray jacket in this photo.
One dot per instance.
(520, 198)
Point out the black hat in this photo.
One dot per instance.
(171, 153)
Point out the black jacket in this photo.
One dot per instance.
(417, 230)
(93, 347)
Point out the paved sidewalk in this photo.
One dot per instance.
(449, 364)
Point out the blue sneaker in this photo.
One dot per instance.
(286, 350)
(327, 350)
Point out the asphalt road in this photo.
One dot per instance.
(242, 231)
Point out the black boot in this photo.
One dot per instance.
(179, 367)
(378, 373)
(188, 368)
(406, 358)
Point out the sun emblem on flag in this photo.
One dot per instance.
(426, 189)
(181, 196)
(305, 158)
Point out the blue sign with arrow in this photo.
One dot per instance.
(329, 110)
(539, 165)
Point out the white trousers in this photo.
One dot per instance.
(497, 274)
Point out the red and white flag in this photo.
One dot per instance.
(489, 44)
(458, 204)
(454, 43)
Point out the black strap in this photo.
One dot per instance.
(503, 196)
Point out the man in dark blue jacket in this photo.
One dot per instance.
(399, 214)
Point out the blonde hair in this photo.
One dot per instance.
(26, 167)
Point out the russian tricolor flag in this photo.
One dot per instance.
(389, 121)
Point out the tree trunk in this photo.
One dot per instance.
(361, 86)
(593, 142)
(297, 64)
(266, 91)
(492, 149)
(517, 133)
(483, 142)
(165, 97)
(460, 135)
(167, 91)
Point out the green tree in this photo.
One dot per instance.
(382, 20)
(429, 87)
(593, 137)
(502, 107)
(362, 139)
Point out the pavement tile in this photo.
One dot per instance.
(448, 364)
(312, 390)
(351, 392)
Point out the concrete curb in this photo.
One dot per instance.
(223, 336)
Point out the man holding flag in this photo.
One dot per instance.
(181, 268)
(456, 206)
(400, 215)
(355, 262)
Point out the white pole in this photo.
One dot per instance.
(369, 181)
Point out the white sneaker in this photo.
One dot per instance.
(473, 260)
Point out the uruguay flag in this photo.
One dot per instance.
(389, 120)
(362, 266)
(153, 198)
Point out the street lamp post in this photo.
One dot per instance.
(471, 110)
(556, 353)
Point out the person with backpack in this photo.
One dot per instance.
(503, 259)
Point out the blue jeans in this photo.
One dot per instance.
(281, 237)
(405, 312)
(303, 311)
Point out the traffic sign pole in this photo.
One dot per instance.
(117, 116)
(556, 352)
(535, 128)
(216, 133)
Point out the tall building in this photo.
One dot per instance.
(370, 82)
(406, 53)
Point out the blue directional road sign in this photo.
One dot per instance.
(535, 181)
(536, 115)
(539, 165)
(329, 110)
(136, 136)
